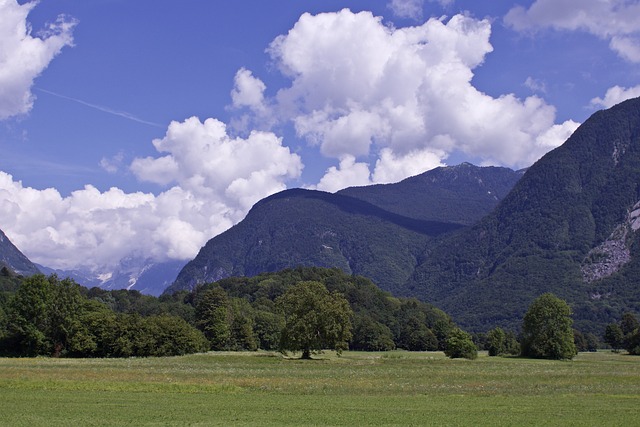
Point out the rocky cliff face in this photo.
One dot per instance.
(614, 253)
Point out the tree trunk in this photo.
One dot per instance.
(306, 354)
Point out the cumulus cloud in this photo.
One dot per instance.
(360, 88)
(615, 21)
(248, 91)
(214, 180)
(616, 95)
(23, 57)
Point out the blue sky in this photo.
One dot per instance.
(144, 128)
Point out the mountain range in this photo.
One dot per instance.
(377, 231)
(479, 242)
(466, 239)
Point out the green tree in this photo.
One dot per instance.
(614, 337)
(369, 335)
(213, 317)
(243, 336)
(460, 345)
(314, 319)
(44, 318)
(629, 324)
(496, 340)
(547, 329)
(267, 327)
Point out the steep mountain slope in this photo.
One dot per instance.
(567, 227)
(13, 259)
(460, 194)
(379, 235)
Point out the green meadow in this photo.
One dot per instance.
(259, 388)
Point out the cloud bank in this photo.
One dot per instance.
(214, 181)
(613, 20)
(24, 57)
(361, 89)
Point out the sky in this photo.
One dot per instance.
(142, 129)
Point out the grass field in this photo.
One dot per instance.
(395, 388)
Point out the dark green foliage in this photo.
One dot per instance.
(400, 317)
(213, 317)
(546, 329)
(233, 314)
(614, 337)
(267, 328)
(43, 318)
(460, 345)
(242, 325)
(314, 319)
(52, 317)
(585, 342)
(624, 334)
(496, 342)
(369, 335)
(629, 324)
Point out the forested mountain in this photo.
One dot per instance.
(569, 227)
(459, 194)
(13, 259)
(377, 232)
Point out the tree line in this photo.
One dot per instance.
(303, 310)
(50, 316)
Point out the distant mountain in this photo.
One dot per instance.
(569, 226)
(145, 276)
(379, 232)
(13, 259)
(459, 194)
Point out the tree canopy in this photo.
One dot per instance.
(547, 331)
(314, 319)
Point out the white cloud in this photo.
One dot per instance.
(616, 95)
(614, 20)
(23, 57)
(216, 180)
(203, 159)
(407, 8)
(349, 174)
(535, 85)
(361, 89)
(113, 164)
(391, 168)
(248, 91)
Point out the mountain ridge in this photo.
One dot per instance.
(347, 230)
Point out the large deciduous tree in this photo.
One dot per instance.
(547, 329)
(314, 319)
